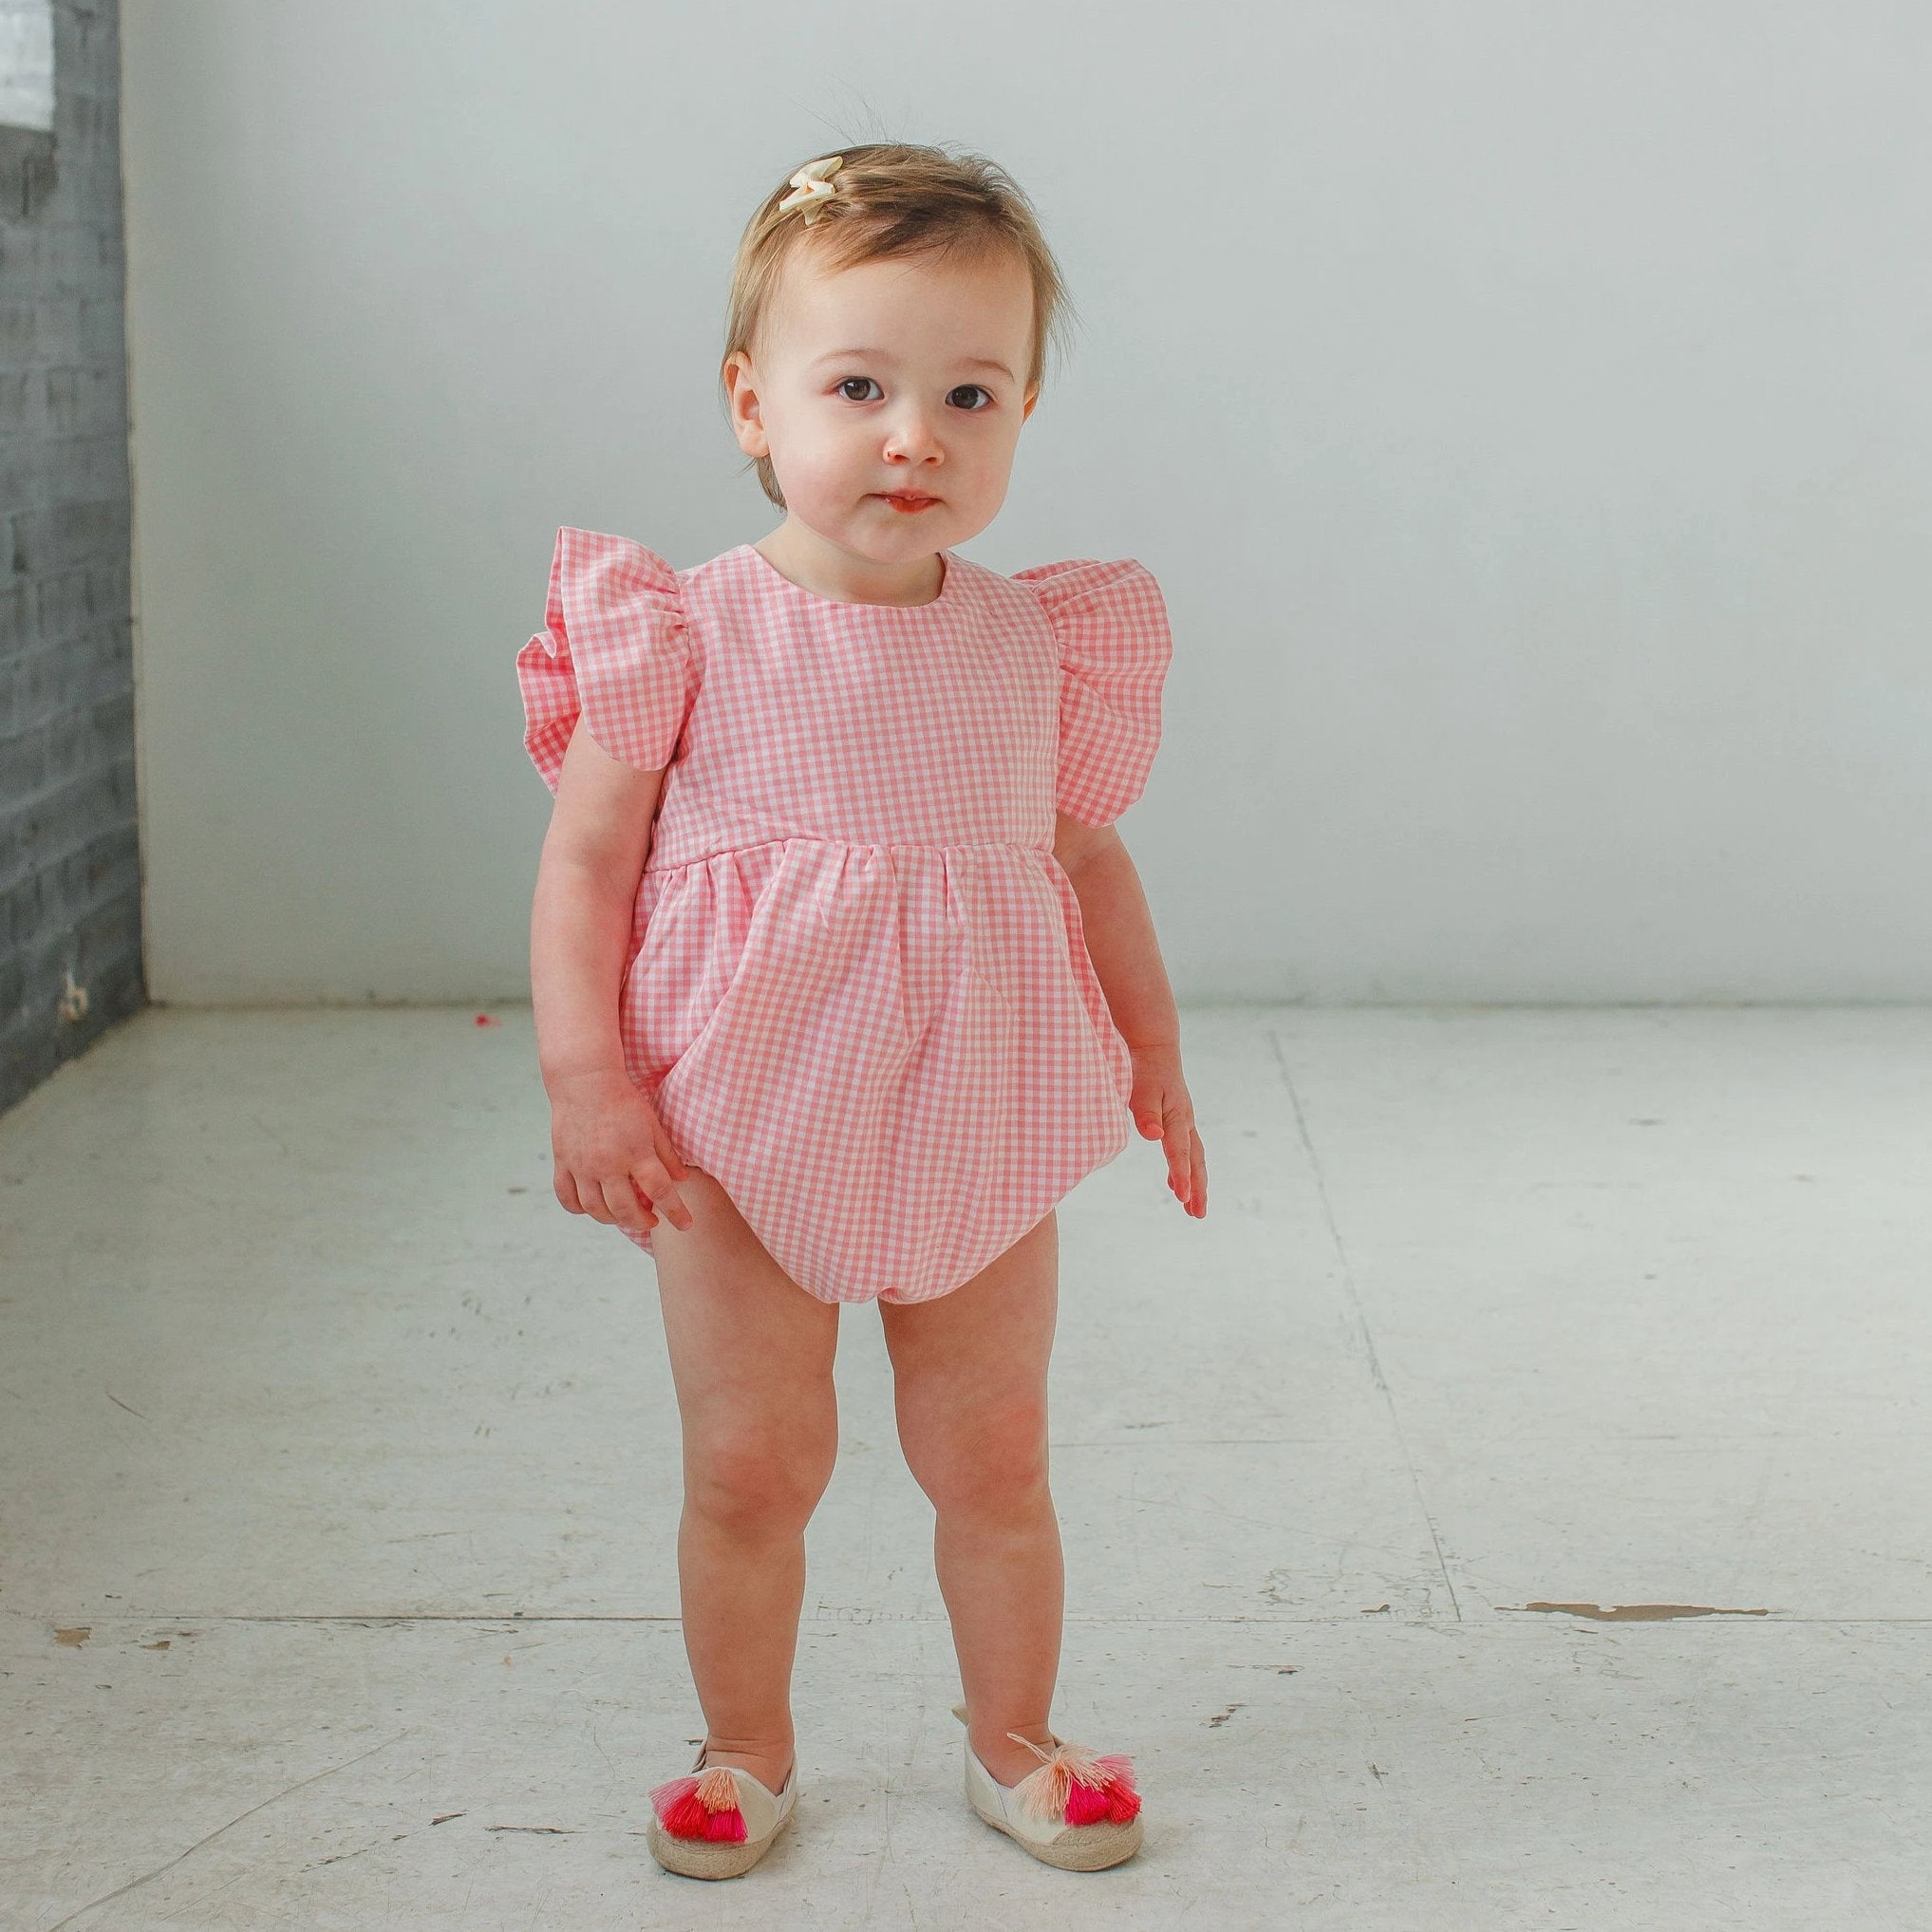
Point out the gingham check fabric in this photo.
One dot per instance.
(858, 991)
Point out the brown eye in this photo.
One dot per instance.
(973, 389)
(846, 384)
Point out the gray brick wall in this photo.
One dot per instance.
(70, 860)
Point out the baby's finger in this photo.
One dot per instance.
(1149, 1105)
(1174, 1141)
(673, 1160)
(591, 1194)
(619, 1199)
(654, 1183)
(1199, 1164)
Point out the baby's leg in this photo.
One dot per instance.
(969, 1376)
(751, 1355)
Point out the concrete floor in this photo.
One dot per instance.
(1509, 1507)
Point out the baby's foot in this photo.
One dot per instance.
(1006, 1761)
(771, 1768)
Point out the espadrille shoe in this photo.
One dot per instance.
(1074, 1809)
(717, 1822)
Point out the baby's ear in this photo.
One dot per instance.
(747, 423)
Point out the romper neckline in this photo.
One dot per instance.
(947, 586)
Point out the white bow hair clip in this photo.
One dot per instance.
(813, 184)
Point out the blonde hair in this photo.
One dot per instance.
(892, 201)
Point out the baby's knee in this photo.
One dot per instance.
(989, 1462)
(748, 1481)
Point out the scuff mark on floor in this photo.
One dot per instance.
(147, 1877)
(1637, 1613)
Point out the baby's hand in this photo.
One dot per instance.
(1163, 1110)
(614, 1161)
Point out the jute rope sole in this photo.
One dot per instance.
(705, 1858)
(1079, 1847)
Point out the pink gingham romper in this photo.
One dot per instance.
(858, 991)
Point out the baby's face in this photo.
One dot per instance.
(932, 401)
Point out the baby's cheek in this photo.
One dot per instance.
(824, 480)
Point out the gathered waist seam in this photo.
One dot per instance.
(854, 845)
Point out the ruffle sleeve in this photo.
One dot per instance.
(614, 650)
(1114, 647)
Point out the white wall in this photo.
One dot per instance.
(27, 63)
(1524, 406)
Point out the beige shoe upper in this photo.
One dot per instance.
(986, 1794)
(764, 1811)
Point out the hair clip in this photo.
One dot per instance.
(811, 185)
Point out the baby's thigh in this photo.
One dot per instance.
(750, 1351)
(970, 1367)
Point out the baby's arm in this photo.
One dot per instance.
(603, 1131)
(1127, 961)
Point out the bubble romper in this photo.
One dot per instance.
(857, 989)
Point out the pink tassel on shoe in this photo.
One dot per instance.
(1073, 1784)
(701, 1804)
